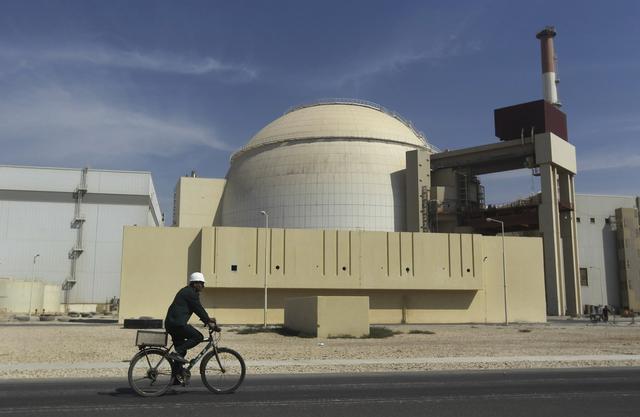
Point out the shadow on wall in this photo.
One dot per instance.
(194, 255)
(252, 298)
(424, 300)
(612, 294)
(398, 187)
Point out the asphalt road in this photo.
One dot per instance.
(577, 392)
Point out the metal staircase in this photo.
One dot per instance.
(77, 223)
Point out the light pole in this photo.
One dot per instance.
(504, 269)
(33, 277)
(266, 232)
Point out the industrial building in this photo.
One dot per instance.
(608, 242)
(346, 198)
(61, 234)
(340, 231)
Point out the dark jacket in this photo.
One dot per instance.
(186, 302)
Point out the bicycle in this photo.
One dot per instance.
(152, 373)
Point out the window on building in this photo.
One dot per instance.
(584, 277)
(607, 221)
(593, 220)
(578, 219)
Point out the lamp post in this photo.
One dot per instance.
(33, 277)
(266, 231)
(504, 270)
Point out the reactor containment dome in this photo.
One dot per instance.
(329, 165)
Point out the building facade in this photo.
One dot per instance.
(407, 277)
(604, 224)
(64, 226)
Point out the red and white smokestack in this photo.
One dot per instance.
(549, 80)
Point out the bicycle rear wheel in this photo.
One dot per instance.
(224, 374)
(150, 373)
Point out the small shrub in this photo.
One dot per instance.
(379, 333)
(341, 336)
(421, 332)
(285, 331)
(281, 330)
(253, 330)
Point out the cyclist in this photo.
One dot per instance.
(185, 303)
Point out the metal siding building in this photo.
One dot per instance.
(596, 224)
(60, 214)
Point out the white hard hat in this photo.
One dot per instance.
(196, 277)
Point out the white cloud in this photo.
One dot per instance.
(422, 37)
(104, 56)
(53, 125)
(394, 59)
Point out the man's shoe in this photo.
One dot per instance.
(174, 356)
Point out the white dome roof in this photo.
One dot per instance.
(335, 165)
(338, 119)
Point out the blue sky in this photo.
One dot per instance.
(170, 87)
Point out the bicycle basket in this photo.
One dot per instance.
(151, 338)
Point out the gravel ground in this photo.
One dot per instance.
(67, 344)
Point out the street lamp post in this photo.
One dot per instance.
(504, 269)
(33, 277)
(266, 232)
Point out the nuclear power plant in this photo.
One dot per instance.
(345, 198)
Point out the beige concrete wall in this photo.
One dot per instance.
(338, 316)
(324, 316)
(301, 314)
(51, 298)
(550, 148)
(525, 279)
(154, 266)
(415, 278)
(197, 201)
(16, 294)
(328, 259)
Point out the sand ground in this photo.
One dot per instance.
(72, 347)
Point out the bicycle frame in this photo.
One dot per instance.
(211, 344)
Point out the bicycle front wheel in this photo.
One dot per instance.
(222, 373)
(150, 373)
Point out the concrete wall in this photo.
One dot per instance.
(155, 264)
(628, 234)
(325, 316)
(16, 296)
(411, 277)
(196, 201)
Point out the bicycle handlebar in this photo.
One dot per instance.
(213, 326)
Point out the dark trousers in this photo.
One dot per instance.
(184, 337)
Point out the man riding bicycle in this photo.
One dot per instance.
(185, 303)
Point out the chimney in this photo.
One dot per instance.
(549, 81)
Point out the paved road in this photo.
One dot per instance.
(583, 392)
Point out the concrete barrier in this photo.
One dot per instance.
(326, 316)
